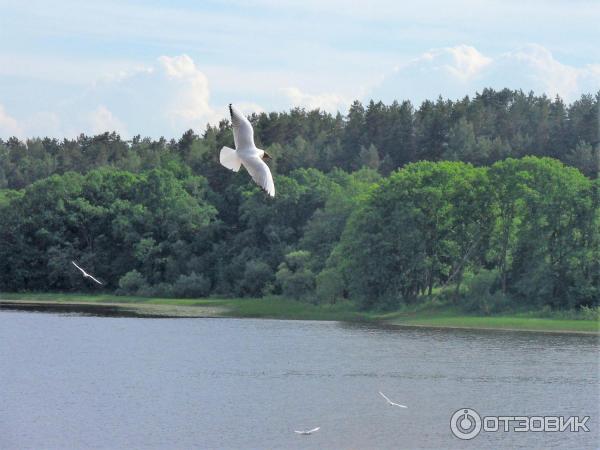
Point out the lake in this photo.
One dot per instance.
(81, 381)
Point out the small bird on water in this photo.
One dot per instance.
(246, 153)
(391, 403)
(85, 274)
(305, 432)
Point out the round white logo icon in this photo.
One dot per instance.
(465, 423)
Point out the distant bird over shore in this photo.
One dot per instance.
(85, 274)
(391, 403)
(246, 153)
(307, 431)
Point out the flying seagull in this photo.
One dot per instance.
(391, 403)
(308, 431)
(85, 274)
(246, 153)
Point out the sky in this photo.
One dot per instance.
(158, 68)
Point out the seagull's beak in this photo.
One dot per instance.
(266, 156)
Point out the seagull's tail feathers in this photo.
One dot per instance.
(230, 159)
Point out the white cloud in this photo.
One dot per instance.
(535, 66)
(8, 125)
(191, 95)
(174, 93)
(102, 120)
(454, 72)
(330, 102)
(467, 62)
(179, 66)
(162, 99)
(462, 62)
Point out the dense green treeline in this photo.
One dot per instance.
(356, 217)
(489, 127)
(522, 232)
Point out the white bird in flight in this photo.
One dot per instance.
(391, 403)
(307, 431)
(246, 153)
(85, 274)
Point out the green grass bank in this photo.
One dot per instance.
(281, 308)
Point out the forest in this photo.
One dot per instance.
(492, 201)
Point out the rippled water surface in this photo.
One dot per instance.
(77, 381)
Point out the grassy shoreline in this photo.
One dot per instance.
(279, 308)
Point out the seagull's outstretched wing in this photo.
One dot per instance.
(100, 283)
(85, 274)
(391, 402)
(243, 134)
(82, 271)
(383, 395)
(307, 431)
(260, 173)
(229, 158)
